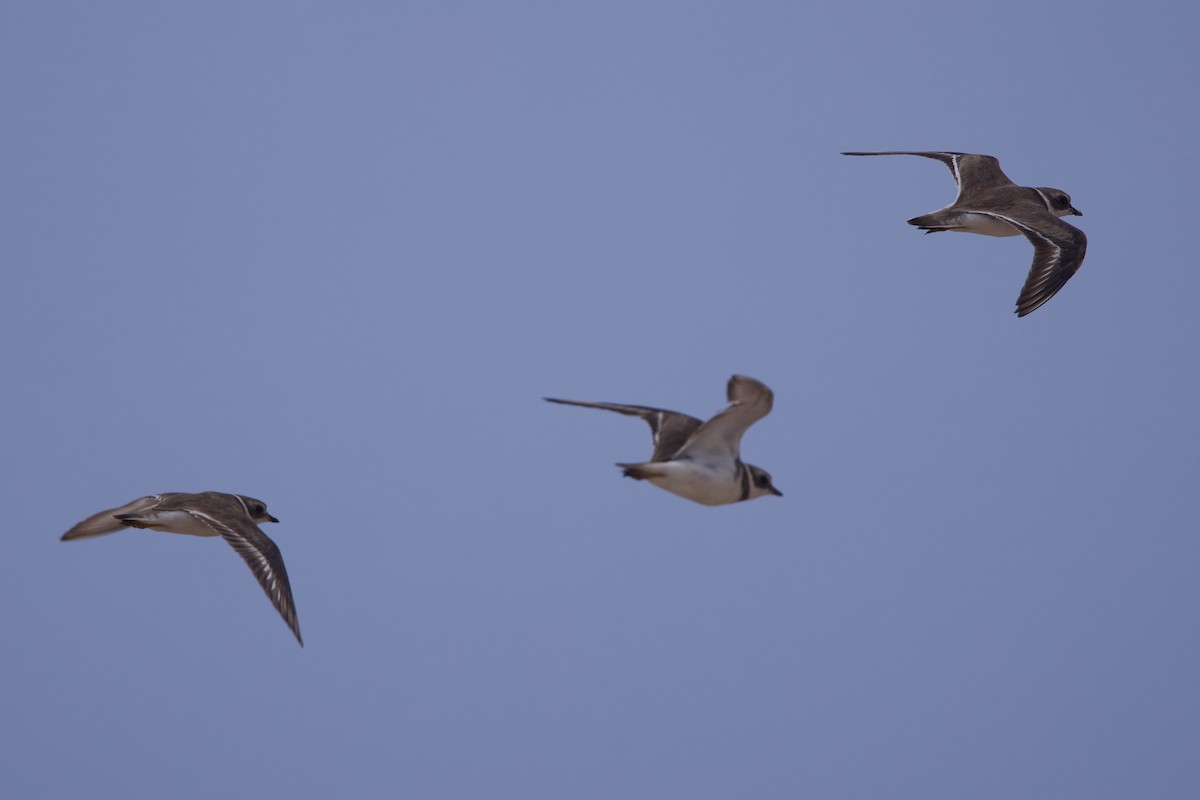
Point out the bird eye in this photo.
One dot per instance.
(259, 509)
(763, 481)
(1064, 201)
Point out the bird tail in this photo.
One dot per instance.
(930, 223)
(639, 472)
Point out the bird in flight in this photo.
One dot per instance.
(701, 460)
(234, 517)
(989, 203)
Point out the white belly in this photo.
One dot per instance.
(700, 483)
(178, 522)
(985, 224)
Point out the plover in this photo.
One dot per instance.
(233, 517)
(701, 460)
(990, 204)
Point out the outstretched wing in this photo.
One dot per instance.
(721, 437)
(1058, 250)
(670, 429)
(264, 559)
(106, 522)
(972, 172)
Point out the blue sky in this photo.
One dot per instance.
(333, 255)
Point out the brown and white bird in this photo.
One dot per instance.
(990, 204)
(701, 460)
(234, 517)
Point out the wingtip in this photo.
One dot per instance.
(1025, 307)
(293, 624)
(91, 528)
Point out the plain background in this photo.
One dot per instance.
(333, 254)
